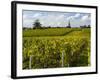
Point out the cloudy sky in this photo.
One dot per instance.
(54, 19)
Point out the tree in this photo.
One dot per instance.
(84, 26)
(37, 24)
(88, 26)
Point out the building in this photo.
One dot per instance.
(69, 25)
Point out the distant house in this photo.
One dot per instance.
(69, 25)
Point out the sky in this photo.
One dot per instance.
(55, 19)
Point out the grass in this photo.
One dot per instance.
(35, 39)
(47, 32)
(57, 33)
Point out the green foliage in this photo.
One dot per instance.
(47, 51)
(37, 24)
(46, 32)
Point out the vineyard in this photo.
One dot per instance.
(56, 47)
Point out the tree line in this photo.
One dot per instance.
(37, 25)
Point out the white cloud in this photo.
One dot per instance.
(27, 22)
(36, 15)
(52, 19)
(70, 17)
(60, 17)
(73, 17)
(77, 15)
(24, 16)
(86, 17)
(55, 19)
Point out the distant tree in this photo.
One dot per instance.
(85, 26)
(24, 28)
(80, 26)
(88, 26)
(37, 24)
(49, 26)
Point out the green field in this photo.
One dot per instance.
(56, 47)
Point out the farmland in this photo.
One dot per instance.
(56, 47)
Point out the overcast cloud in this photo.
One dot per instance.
(54, 19)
